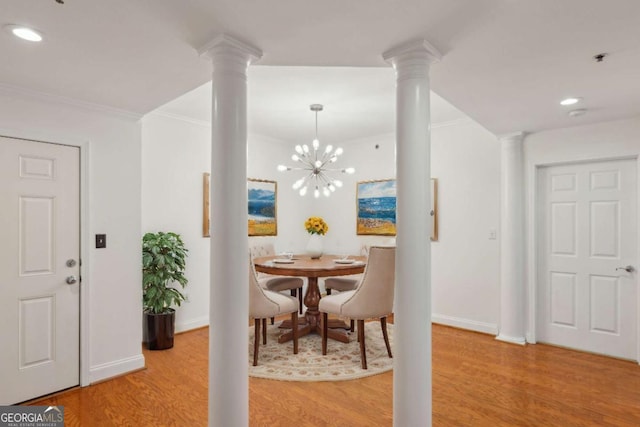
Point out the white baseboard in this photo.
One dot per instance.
(511, 340)
(192, 324)
(115, 368)
(472, 325)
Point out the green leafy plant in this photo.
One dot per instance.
(163, 263)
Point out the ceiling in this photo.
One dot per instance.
(506, 63)
(358, 103)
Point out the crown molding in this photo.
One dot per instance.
(454, 122)
(164, 114)
(59, 99)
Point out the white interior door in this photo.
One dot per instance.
(39, 255)
(586, 300)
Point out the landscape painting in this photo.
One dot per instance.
(376, 205)
(262, 196)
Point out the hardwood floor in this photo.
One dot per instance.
(477, 381)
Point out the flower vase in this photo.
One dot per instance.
(314, 246)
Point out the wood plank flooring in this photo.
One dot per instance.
(477, 381)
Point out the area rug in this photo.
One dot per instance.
(342, 362)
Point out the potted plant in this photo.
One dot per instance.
(163, 265)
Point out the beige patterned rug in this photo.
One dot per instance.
(342, 362)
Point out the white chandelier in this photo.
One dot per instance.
(315, 162)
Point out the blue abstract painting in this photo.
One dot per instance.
(376, 201)
(261, 201)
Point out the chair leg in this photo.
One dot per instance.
(363, 351)
(328, 291)
(325, 331)
(256, 343)
(294, 331)
(264, 331)
(352, 323)
(300, 299)
(273, 320)
(298, 292)
(383, 325)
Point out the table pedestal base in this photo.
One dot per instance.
(338, 330)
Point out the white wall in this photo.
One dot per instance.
(264, 155)
(175, 154)
(112, 276)
(465, 159)
(339, 211)
(602, 141)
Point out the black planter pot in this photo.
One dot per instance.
(159, 330)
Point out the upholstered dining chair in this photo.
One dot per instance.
(277, 283)
(372, 298)
(265, 304)
(346, 283)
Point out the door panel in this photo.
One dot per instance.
(39, 228)
(587, 232)
(36, 224)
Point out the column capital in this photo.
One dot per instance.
(513, 137)
(225, 44)
(413, 49)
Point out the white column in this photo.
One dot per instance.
(512, 289)
(229, 291)
(412, 358)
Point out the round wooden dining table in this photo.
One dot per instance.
(312, 269)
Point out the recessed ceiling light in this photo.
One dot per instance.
(570, 101)
(25, 33)
(578, 112)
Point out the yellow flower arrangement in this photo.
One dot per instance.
(316, 225)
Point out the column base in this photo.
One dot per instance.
(511, 340)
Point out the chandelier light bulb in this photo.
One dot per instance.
(326, 192)
(339, 151)
(333, 158)
(295, 157)
(316, 193)
(318, 163)
(305, 148)
(316, 144)
(298, 149)
(338, 183)
(328, 149)
(332, 187)
(303, 190)
(350, 171)
(298, 183)
(282, 168)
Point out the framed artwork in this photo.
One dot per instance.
(262, 199)
(206, 226)
(376, 208)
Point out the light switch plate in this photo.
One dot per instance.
(101, 241)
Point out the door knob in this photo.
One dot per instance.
(628, 269)
(71, 280)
